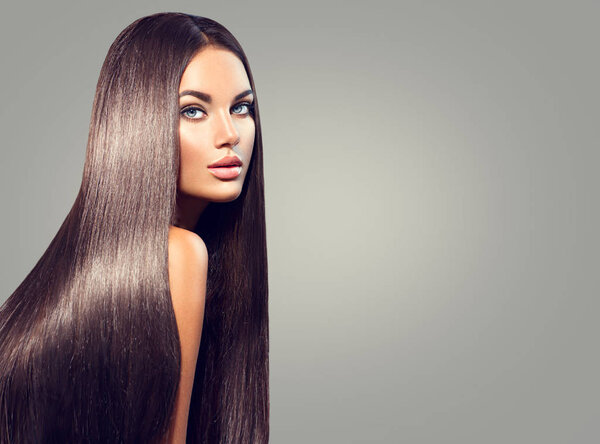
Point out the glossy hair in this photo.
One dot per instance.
(89, 346)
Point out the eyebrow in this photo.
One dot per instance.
(207, 98)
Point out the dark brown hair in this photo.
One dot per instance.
(89, 347)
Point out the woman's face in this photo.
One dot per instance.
(216, 121)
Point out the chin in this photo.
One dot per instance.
(225, 196)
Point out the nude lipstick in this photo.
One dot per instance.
(229, 167)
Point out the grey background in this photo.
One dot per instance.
(432, 207)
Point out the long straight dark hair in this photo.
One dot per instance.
(89, 346)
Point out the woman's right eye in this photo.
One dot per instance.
(192, 113)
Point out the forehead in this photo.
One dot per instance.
(215, 70)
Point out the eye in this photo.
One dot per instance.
(245, 107)
(192, 113)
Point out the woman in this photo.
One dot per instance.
(146, 319)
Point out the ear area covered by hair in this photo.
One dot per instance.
(188, 265)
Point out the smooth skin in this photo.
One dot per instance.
(208, 131)
(188, 264)
(211, 130)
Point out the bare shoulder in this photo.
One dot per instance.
(185, 244)
(188, 257)
(188, 266)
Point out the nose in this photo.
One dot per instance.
(226, 131)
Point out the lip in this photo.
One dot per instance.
(227, 161)
(227, 172)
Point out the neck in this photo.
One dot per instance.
(189, 209)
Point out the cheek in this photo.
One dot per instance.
(190, 150)
(249, 142)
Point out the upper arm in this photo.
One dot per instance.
(188, 264)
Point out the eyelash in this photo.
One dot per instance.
(195, 107)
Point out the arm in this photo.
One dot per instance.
(188, 263)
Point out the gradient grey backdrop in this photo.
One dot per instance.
(432, 206)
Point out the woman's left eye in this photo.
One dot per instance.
(245, 107)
